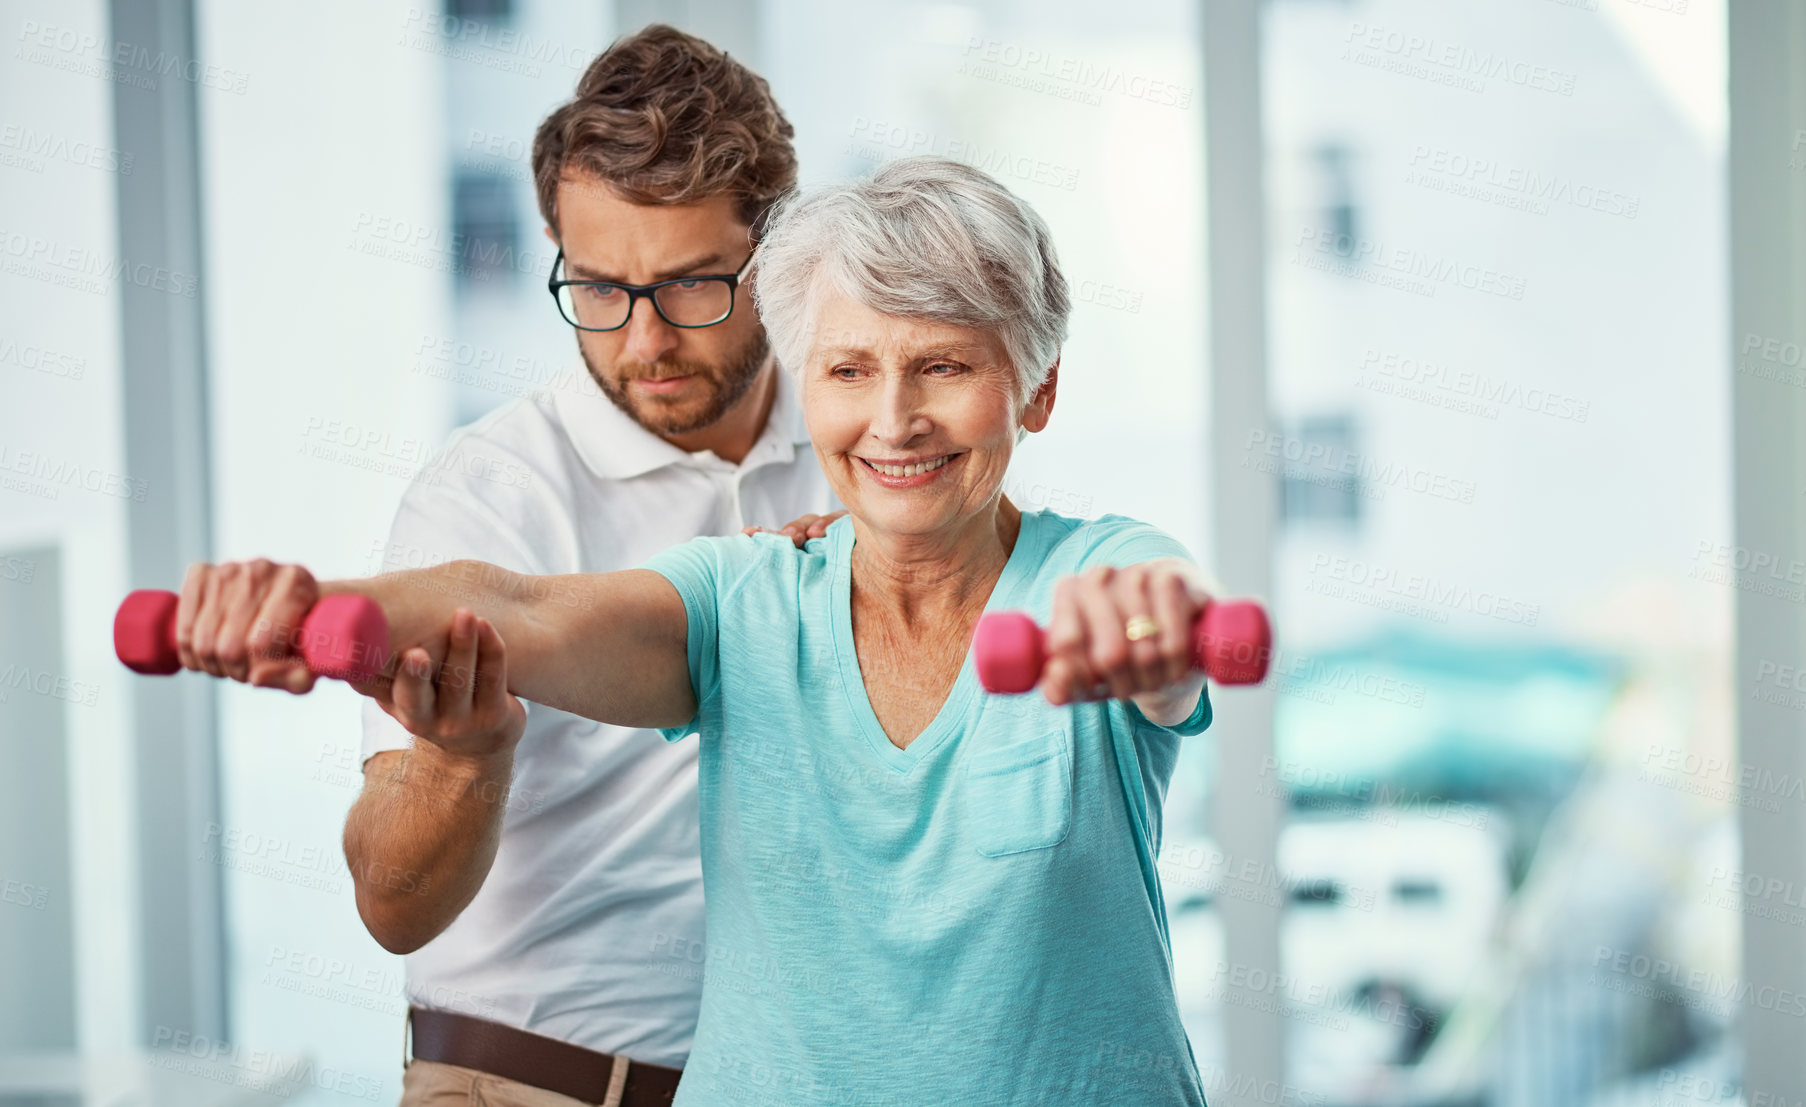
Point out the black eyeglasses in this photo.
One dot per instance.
(688, 302)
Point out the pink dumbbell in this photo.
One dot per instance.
(1231, 641)
(343, 636)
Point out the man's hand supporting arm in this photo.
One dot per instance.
(421, 838)
(423, 834)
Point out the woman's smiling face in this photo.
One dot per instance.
(914, 421)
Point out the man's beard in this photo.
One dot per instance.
(730, 384)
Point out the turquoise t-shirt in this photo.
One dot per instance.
(975, 919)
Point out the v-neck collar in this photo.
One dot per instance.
(946, 722)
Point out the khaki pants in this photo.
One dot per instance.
(430, 1084)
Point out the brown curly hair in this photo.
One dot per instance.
(665, 118)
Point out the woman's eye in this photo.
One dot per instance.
(844, 372)
(944, 369)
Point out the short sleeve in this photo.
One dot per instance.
(1118, 541)
(698, 569)
(1195, 723)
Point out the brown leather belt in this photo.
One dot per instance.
(534, 1059)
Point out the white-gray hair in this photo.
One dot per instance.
(922, 238)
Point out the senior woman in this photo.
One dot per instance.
(916, 894)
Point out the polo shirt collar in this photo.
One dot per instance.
(615, 447)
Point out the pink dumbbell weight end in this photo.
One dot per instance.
(343, 636)
(1231, 641)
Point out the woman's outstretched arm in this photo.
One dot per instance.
(608, 646)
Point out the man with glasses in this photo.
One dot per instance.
(549, 895)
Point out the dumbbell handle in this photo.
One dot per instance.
(1231, 642)
(343, 635)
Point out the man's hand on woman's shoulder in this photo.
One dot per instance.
(801, 529)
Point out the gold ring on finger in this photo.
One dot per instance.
(1139, 627)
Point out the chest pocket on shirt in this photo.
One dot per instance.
(1019, 796)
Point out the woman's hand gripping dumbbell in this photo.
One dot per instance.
(1122, 633)
(342, 636)
(270, 626)
(254, 622)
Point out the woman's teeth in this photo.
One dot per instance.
(911, 470)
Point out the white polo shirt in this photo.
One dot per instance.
(589, 928)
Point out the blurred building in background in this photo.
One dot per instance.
(1498, 318)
